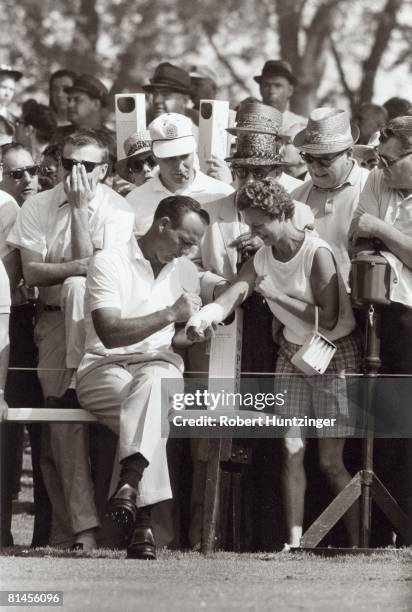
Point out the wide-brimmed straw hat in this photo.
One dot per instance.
(137, 145)
(257, 131)
(328, 131)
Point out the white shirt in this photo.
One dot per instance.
(122, 278)
(145, 199)
(8, 215)
(333, 211)
(4, 290)
(44, 226)
(293, 278)
(292, 123)
(289, 182)
(394, 208)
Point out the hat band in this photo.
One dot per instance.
(317, 137)
(172, 139)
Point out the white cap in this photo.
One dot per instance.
(172, 135)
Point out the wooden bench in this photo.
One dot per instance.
(214, 451)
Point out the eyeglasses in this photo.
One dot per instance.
(89, 166)
(325, 162)
(136, 165)
(18, 173)
(387, 163)
(258, 172)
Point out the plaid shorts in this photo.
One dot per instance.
(327, 396)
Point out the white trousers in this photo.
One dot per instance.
(131, 395)
(65, 456)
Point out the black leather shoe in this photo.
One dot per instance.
(142, 545)
(67, 400)
(122, 507)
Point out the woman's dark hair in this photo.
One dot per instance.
(268, 196)
(58, 74)
(41, 118)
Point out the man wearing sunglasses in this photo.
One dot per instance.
(57, 232)
(383, 218)
(20, 173)
(336, 180)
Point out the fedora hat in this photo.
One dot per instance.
(89, 84)
(136, 145)
(328, 131)
(168, 76)
(7, 70)
(277, 68)
(254, 116)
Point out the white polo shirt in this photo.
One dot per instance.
(122, 278)
(145, 199)
(8, 215)
(44, 226)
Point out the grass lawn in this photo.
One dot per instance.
(180, 582)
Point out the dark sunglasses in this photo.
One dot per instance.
(89, 166)
(325, 162)
(136, 165)
(46, 171)
(387, 163)
(258, 172)
(18, 173)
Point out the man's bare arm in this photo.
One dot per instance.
(369, 226)
(12, 263)
(115, 332)
(38, 273)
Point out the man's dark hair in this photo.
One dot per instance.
(368, 108)
(41, 118)
(177, 206)
(397, 107)
(268, 196)
(83, 138)
(401, 129)
(13, 146)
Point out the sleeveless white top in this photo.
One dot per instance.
(293, 278)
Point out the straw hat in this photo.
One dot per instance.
(137, 145)
(328, 131)
(257, 130)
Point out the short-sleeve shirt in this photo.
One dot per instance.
(44, 226)
(8, 215)
(145, 199)
(393, 207)
(122, 278)
(333, 210)
(4, 290)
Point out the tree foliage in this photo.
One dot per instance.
(123, 40)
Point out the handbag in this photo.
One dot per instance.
(315, 354)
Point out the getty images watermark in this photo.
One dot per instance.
(220, 411)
